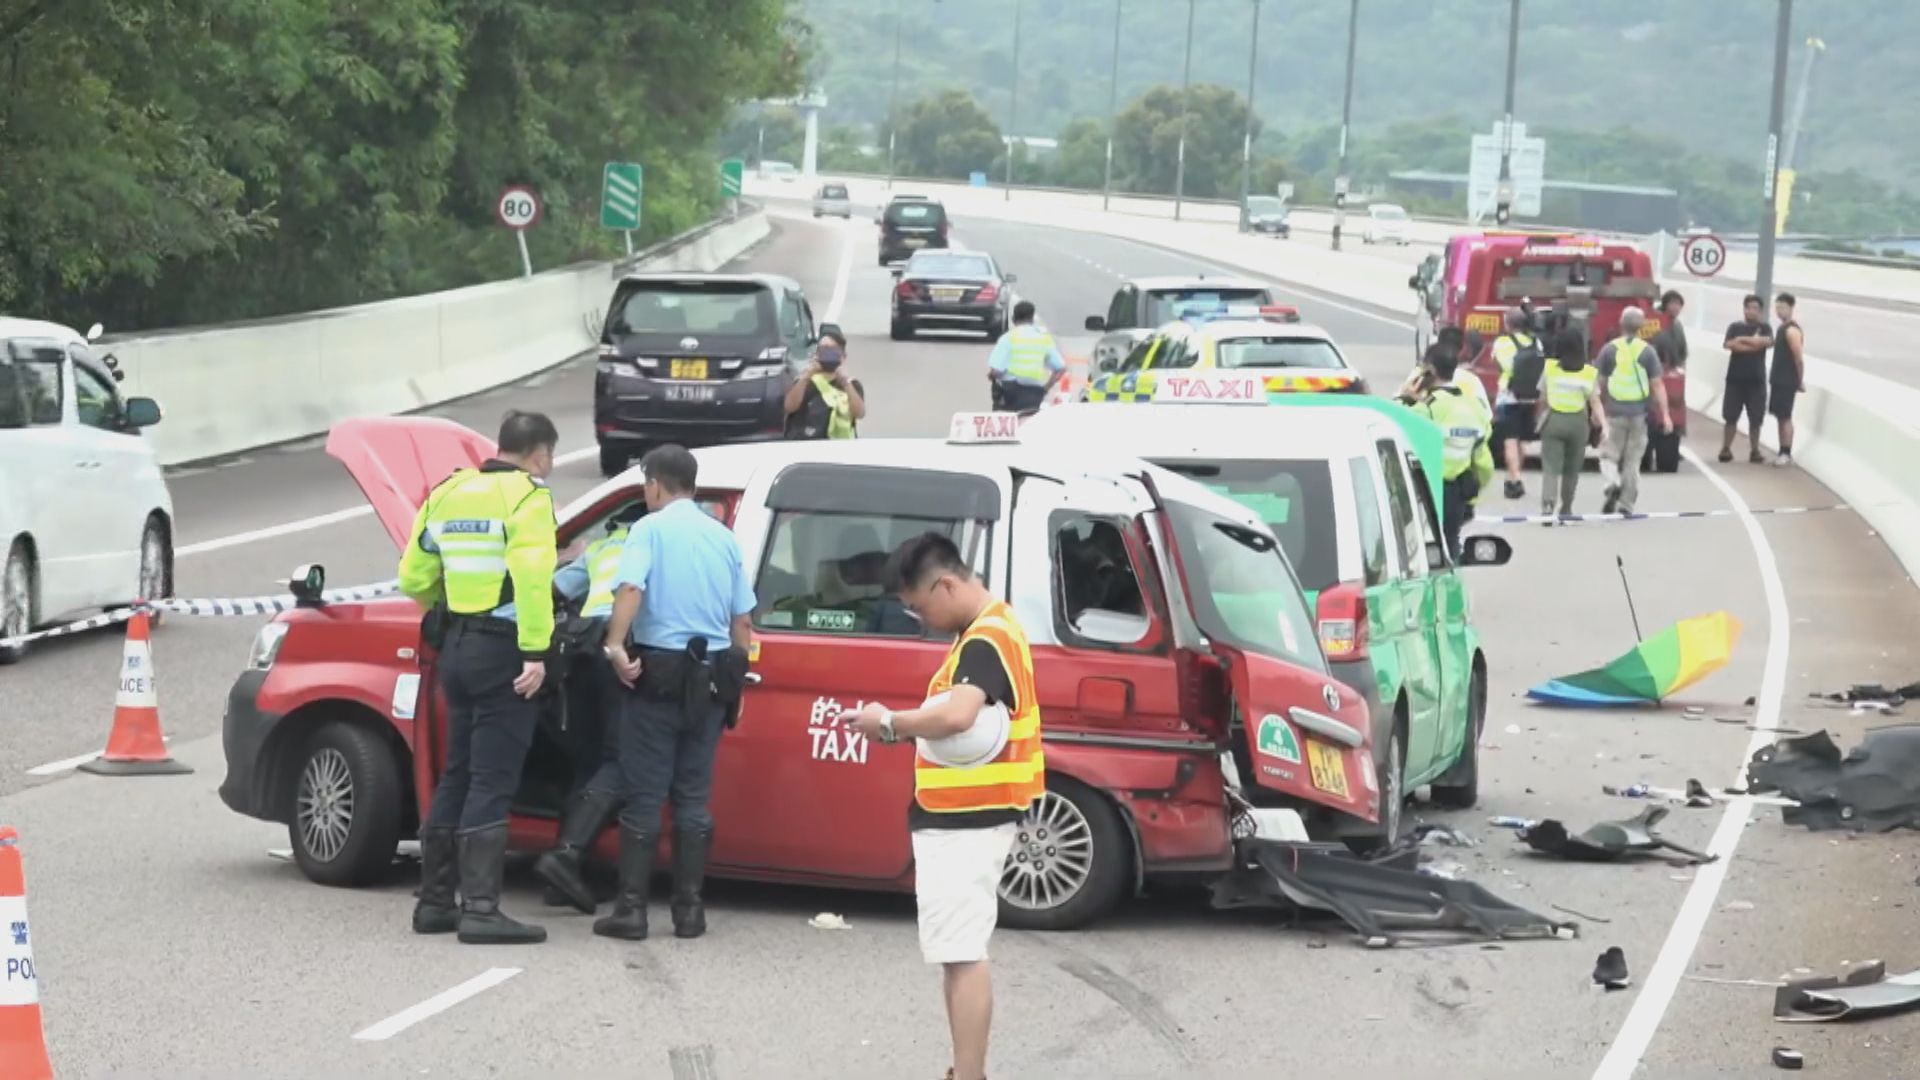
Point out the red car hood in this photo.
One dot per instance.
(397, 460)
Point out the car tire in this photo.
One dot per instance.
(344, 821)
(156, 564)
(613, 460)
(1108, 861)
(1459, 788)
(900, 330)
(16, 601)
(1392, 773)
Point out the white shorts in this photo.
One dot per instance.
(957, 883)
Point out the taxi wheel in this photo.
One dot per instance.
(156, 565)
(1460, 787)
(1393, 790)
(1071, 861)
(345, 820)
(16, 601)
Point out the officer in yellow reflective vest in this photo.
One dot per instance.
(593, 700)
(1025, 364)
(1630, 370)
(965, 820)
(1467, 463)
(482, 551)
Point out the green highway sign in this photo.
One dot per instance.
(732, 171)
(620, 196)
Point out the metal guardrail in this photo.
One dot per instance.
(1859, 260)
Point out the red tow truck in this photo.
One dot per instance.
(1584, 282)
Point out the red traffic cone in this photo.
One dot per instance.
(135, 746)
(23, 1042)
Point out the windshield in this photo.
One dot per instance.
(1293, 498)
(972, 266)
(1242, 591)
(1265, 204)
(720, 308)
(1278, 352)
(1160, 302)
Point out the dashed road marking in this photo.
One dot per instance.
(435, 1005)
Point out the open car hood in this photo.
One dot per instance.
(397, 460)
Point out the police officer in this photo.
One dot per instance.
(677, 641)
(483, 549)
(1025, 364)
(1467, 464)
(594, 701)
(1517, 351)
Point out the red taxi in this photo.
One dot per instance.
(1182, 685)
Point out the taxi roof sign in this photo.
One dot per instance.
(1211, 387)
(987, 427)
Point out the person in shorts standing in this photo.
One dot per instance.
(963, 819)
(1747, 343)
(1789, 374)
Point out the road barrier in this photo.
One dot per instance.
(226, 389)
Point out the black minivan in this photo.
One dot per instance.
(908, 225)
(697, 359)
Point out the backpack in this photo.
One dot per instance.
(1529, 363)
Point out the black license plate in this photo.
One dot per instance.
(690, 393)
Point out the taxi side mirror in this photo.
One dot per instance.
(1096, 324)
(1485, 551)
(306, 583)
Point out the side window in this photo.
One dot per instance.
(823, 572)
(1179, 352)
(1429, 515)
(793, 323)
(1096, 591)
(1373, 535)
(38, 391)
(1137, 359)
(1405, 526)
(1117, 318)
(98, 405)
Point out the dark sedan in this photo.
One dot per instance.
(951, 290)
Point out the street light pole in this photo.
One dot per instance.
(893, 98)
(1782, 43)
(1113, 108)
(1013, 106)
(1246, 140)
(1186, 84)
(1503, 191)
(1346, 116)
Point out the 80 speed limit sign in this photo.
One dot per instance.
(1703, 255)
(517, 208)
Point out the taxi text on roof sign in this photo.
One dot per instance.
(1211, 387)
(988, 427)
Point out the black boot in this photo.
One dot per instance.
(560, 868)
(483, 863)
(689, 873)
(629, 919)
(436, 911)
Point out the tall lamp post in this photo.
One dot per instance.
(1013, 105)
(1346, 116)
(1186, 83)
(893, 98)
(1769, 220)
(1246, 139)
(1113, 107)
(1503, 191)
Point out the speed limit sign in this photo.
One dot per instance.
(517, 208)
(1703, 255)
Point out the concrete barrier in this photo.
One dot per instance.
(231, 388)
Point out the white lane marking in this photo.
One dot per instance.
(1656, 992)
(320, 521)
(435, 1005)
(67, 764)
(840, 276)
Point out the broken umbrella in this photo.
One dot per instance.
(1652, 671)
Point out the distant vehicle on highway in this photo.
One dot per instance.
(1267, 215)
(951, 290)
(697, 359)
(832, 200)
(1141, 305)
(779, 170)
(1181, 676)
(1271, 342)
(1349, 486)
(85, 518)
(1387, 223)
(911, 223)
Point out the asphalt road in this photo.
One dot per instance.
(169, 943)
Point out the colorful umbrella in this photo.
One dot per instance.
(1655, 669)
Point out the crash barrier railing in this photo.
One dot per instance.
(216, 607)
(227, 389)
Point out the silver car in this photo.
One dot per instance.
(832, 200)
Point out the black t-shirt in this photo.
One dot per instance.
(1747, 366)
(810, 421)
(1785, 375)
(980, 667)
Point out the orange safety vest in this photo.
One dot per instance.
(1018, 776)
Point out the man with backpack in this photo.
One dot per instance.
(825, 402)
(1521, 361)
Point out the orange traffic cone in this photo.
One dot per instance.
(135, 747)
(23, 1043)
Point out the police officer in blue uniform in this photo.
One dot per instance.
(677, 640)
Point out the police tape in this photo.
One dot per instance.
(221, 607)
(1654, 515)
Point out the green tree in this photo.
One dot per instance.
(948, 135)
(1147, 141)
(1081, 161)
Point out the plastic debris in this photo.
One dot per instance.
(1861, 991)
(1448, 871)
(1444, 835)
(1789, 1059)
(1610, 969)
(1505, 822)
(827, 920)
(1737, 905)
(1698, 796)
(1610, 841)
(1632, 791)
(1875, 787)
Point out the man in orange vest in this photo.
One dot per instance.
(963, 819)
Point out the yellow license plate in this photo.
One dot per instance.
(689, 369)
(1483, 322)
(1328, 767)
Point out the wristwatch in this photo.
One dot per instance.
(887, 734)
